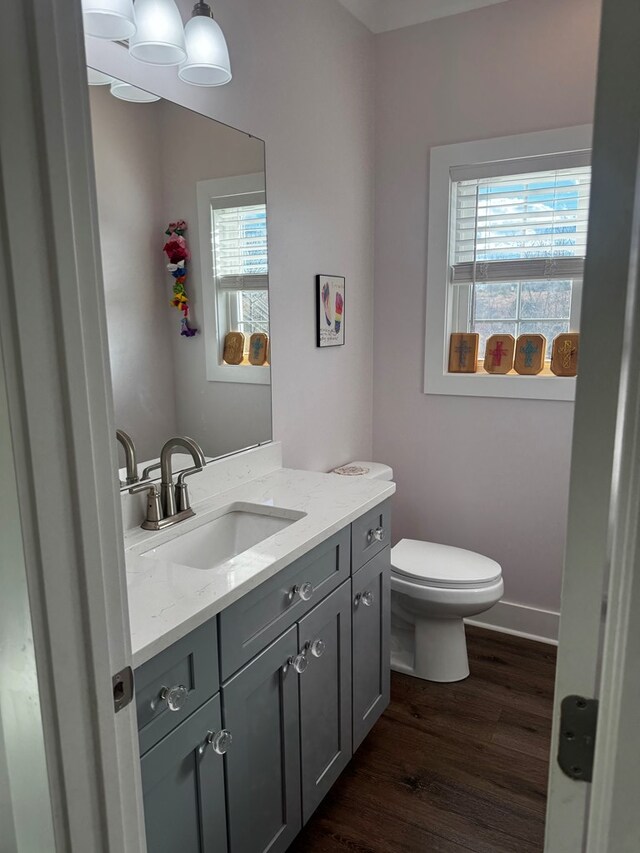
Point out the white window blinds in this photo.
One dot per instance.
(519, 227)
(240, 247)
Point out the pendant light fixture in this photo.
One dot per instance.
(127, 92)
(97, 78)
(108, 19)
(207, 62)
(159, 37)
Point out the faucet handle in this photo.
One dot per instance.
(154, 507)
(182, 490)
(147, 471)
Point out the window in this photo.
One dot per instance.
(517, 245)
(232, 226)
(507, 243)
(239, 245)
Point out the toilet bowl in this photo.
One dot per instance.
(433, 589)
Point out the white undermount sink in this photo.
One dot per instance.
(230, 532)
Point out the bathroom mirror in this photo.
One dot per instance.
(182, 216)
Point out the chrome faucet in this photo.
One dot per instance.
(171, 504)
(130, 457)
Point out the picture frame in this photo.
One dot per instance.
(330, 310)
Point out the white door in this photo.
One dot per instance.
(54, 352)
(600, 623)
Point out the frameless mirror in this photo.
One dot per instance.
(183, 231)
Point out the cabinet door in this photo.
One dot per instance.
(260, 704)
(183, 788)
(371, 622)
(325, 696)
(370, 534)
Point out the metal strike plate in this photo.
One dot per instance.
(578, 722)
(122, 688)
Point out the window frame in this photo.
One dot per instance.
(211, 193)
(444, 307)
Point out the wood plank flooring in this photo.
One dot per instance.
(450, 768)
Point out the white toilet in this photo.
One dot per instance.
(433, 588)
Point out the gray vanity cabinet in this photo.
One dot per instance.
(371, 592)
(261, 708)
(325, 696)
(183, 788)
(304, 665)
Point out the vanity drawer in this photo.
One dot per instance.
(370, 534)
(191, 663)
(260, 616)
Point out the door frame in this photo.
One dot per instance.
(600, 583)
(54, 344)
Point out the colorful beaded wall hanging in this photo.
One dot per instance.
(177, 252)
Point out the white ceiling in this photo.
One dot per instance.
(382, 15)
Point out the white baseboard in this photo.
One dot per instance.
(529, 622)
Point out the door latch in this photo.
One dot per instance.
(578, 722)
(122, 688)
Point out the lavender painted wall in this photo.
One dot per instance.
(303, 74)
(491, 475)
(129, 183)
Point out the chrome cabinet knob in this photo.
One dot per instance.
(365, 598)
(304, 591)
(299, 662)
(376, 535)
(175, 697)
(220, 741)
(318, 648)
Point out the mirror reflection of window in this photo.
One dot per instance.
(239, 245)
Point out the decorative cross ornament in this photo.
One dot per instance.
(499, 353)
(530, 350)
(564, 354)
(463, 349)
(463, 352)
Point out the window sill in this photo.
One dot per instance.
(544, 386)
(240, 373)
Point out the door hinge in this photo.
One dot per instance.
(577, 742)
(122, 688)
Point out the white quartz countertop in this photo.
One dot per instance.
(168, 600)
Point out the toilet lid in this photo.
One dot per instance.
(442, 565)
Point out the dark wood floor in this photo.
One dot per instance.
(450, 768)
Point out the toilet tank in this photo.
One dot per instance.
(370, 470)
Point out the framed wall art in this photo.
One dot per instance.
(330, 310)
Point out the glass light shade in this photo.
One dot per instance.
(159, 37)
(207, 62)
(97, 78)
(127, 92)
(108, 19)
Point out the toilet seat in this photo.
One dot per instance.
(442, 566)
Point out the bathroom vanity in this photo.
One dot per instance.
(257, 678)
